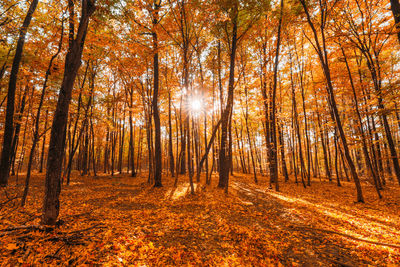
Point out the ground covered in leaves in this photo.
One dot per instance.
(123, 221)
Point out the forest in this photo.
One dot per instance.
(200, 132)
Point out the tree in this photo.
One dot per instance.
(324, 61)
(36, 134)
(156, 113)
(241, 16)
(51, 203)
(274, 150)
(9, 124)
(395, 6)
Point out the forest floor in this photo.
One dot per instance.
(122, 220)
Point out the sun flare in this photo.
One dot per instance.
(196, 105)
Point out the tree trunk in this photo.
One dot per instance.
(14, 144)
(44, 142)
(373, 172)
(156, 115)
(274, 149)
(170, 145)
(9, 123)
(223, 157)
(132, 137)
(395, 6)
(323, 57)
(36, 135)
(282, 146)
(51, 203)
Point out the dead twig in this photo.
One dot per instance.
(54, 255)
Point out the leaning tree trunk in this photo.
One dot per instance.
(9, 123)
(51, 203)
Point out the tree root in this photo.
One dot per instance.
(28, 227)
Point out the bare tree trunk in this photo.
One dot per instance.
(395, 6)
(51, 203)
(170, 145)
(223, 157)
(36, 136)
(93, 145)
(44, 142)
(336, 159)
(282, 146)
(9, 123)
(131, 137)
(121, 146)
(274, 150)
(156, 115)
(14, 144)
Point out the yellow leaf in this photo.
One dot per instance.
(151, 245)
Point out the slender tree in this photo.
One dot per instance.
(12, 85)
(51, 203)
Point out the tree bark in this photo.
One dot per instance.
(223, 157)
(156, 114)
(323, 58)
(36, 136)
(274, 149)
(51, 203)
(44, 142)
(170, 145)
(9, 123)
(395, 6)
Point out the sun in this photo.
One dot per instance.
(196, 105)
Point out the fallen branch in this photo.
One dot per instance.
(348, 236)
(9, 200)
(208, 148)
(27, 227)
(41, 228)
